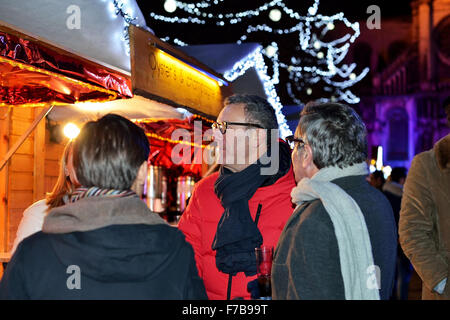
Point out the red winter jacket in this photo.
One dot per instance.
(199, 225)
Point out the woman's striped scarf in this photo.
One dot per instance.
(84, 192)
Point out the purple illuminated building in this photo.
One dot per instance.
(402, 97)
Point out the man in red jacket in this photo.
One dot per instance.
(245, 204)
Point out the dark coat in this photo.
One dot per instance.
(131, 260)
(306, 260)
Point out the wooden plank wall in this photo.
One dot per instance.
(21, 167)
(4, 145)
(32, 171)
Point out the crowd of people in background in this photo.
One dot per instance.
(338, 231)
(392, 188)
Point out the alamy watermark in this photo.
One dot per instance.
(73, 21)
(374, 20)
(74, 280)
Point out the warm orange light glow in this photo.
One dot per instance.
(166, 58)
(150, 120)
(154, 135)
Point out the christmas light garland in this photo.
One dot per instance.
(120, 8)
(329, 54)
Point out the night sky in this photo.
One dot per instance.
(354, 11)
(211, 33)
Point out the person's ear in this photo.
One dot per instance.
(307, 155)
(142, 173)
(310, 166)
(308, 159)
(139, 182)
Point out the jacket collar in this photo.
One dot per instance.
(98, 212)
(442, 152)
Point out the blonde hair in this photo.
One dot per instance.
(63, 185)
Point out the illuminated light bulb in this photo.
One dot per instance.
(352, 76)
(71, 131)
(275, 15)
(387, 171)
(332, 69)
(330, 26)
(312, 11)
(320, 55)
(270, 51)
(317, 45)
(379, 163)
(309, 91)
(170, 6)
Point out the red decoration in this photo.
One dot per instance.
(32, 73)
(162, 144)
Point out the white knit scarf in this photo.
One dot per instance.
(355, 249)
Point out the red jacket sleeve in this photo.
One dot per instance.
(190, 225)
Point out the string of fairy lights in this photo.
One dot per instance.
(324, 54)
(120, 8)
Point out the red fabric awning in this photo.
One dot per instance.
(33, 74)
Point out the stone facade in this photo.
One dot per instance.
(401, 101)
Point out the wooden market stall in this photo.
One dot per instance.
(43, 85)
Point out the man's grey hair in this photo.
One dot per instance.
(335, 133)
(257, 110)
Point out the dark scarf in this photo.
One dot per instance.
(237, 235)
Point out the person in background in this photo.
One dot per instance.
(393, 190)
(377, 180)
(341, 240)
(105, 243)
(239, 208)
(33, 216)
(424, 225)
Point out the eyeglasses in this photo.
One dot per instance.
(293, 141)
(223, 125)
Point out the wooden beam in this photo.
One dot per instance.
(39, 159)
(22, 139)
(5, 118)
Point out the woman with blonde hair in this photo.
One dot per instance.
(33, 216)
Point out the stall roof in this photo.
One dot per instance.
(97, 34)
(36, 72)
(136, 108)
